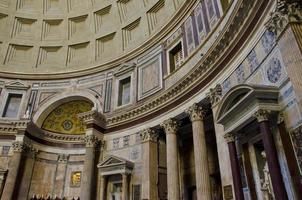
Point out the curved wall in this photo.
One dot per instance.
(61, 36)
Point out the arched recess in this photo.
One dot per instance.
(232, 97)
(45, 109)
(237, 107)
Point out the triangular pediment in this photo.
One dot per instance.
(125, 68)
(113, 160)
(115, 165)
(17, 85)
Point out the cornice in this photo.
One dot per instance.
(204, 69)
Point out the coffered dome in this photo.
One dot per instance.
(61, 36)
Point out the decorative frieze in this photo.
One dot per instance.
(196, 112)
(149, 135)
(286, 11)
(90, 140)
(170, 126)
(262, 115)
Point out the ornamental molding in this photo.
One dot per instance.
(149, 135)
(170, 126)
(196, 113)
(90, 140)
(7, 128)
(12, 127)
(70, 138)
(204, 68)
(262, 115)
(286, 11)
(22, 124)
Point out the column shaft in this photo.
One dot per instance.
(172, 167)
(12, 175)
(272, 161)
(149, 165)
(87, 189)
(125, 186)
(235, 171)
(103, 188)
(203, 185)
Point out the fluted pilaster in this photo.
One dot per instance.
(87, 183)
(149, 164)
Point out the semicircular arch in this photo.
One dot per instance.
(45, 109)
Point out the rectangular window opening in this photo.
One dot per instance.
(12, 106)
(175, 57)
(124, 91)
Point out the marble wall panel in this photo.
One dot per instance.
(69, 190)
(189, 35)
(150, 76)
(42, 178)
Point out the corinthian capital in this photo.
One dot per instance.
(90, 140)
(262, 115)
(215, 94)
(286, 11)
(195, 112)
(18, 146)
(229, 137)
(170, 126)
(149, 135)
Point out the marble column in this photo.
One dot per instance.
(203, 184)
(170, 127)
(149, 165)
(125, 189)
(103, 187)
(238, 189)
(271, 152)
(11, 180)
(87, 190)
